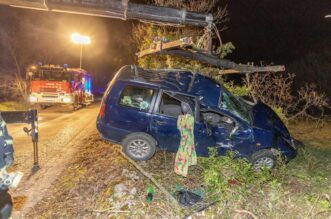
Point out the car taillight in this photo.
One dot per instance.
(102, 109)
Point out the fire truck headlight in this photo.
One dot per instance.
(33, 99)
(66, 100)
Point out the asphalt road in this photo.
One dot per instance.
(61, 133)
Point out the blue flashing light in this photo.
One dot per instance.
(88, 84)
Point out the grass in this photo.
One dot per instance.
(299, 189)
(12, 105)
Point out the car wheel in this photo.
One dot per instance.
(139, 146)
(263, 158)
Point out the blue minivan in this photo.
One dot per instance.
(139, 110)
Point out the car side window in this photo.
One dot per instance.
(136, 97)
(171, 105)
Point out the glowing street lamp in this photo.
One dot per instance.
(81, 40)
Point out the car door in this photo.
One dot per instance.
(130, 109)
(228, 133)
(242, 139)
(164, 123)
(203, 137)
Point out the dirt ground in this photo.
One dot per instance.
(61, 133)
(99, 183)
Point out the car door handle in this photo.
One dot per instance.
(159, 122)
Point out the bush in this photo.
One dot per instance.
(12, 87)
(276, 90)
(236, 89)
(224, 174)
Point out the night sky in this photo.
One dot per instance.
(45, 37)
(280, 32)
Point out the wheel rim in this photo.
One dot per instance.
(264, 162)
(138, 148)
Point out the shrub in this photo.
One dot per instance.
(276, 90)
(236, 89)
(224, 174)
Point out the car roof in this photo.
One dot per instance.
(177, 80)
(171, 79)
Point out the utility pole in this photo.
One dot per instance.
(80, 40)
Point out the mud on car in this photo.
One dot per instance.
(139, 110)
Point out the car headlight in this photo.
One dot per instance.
(33, 99)
(66, 99)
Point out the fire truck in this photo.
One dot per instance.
(52, 84)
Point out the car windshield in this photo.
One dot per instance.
(51, 75)
(234, 105)
(55, 75)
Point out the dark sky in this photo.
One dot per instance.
(279, 31)
(294, 33)
(45, 36)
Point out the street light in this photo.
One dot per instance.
(81, 40)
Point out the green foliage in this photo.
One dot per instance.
(236, 89)
(224, 174)
(152, 32)
(144, 35)
(225, 49)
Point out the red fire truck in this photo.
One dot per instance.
(53, 84)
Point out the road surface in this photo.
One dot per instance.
(61, 133)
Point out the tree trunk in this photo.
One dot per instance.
(117, 9)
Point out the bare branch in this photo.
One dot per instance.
(276, 91)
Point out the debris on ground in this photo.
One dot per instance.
(101, 183)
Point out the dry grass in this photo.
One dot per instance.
(19, 202)
(12, 105)
(86, 189)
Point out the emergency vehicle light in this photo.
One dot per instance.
(33, 99)
(66, 99)
(87, 84)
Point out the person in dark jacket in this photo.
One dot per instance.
(6, 146)
(6, 159)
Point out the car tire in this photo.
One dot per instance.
(139, 146)
(264, 158)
